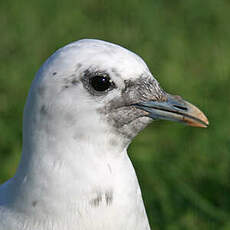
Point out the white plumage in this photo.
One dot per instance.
(85, 105)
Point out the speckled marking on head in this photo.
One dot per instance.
(142, 89)
(71, 80)
(125, 118)
(43, 110)
(116, 72)
(34, 203)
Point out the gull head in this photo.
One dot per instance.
(101, 93)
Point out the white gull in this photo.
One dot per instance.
(86, 104)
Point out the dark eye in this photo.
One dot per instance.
(100, 82)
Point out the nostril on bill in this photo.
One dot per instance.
(180, 107)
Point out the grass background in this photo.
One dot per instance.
(184, 172)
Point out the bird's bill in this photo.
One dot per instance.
(174, 109)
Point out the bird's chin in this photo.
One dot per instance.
(139, 124)
(128, 121)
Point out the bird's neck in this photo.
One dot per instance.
(75, 191)
(75, 174)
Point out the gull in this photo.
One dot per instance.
(86, 104)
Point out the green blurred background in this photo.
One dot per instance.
(184, 172)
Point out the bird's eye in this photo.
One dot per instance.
(100, 82)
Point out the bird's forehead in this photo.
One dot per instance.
(102, 56)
